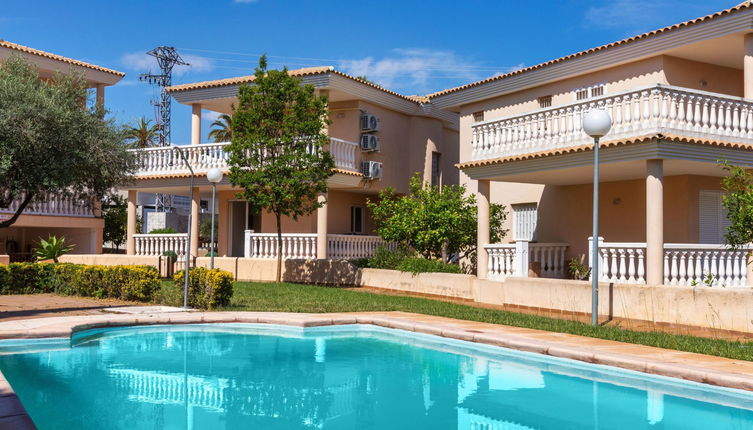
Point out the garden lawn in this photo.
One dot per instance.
(285, 297)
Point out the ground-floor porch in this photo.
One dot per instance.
(341, 229)
(20, 240)
(661, 217)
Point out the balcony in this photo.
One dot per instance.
(202, 158)
(640, 112)
(52, 205)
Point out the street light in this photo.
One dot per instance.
(596, 123)
(214, 176)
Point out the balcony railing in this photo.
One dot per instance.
(165, 160)
(686, 264)
(639, 112)
(512, 259)
(303, 245)
(53, 205)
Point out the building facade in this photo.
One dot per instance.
(378, 139)
(679, 99)
(55, 215)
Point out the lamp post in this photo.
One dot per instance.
(596, 123)
(214, 176)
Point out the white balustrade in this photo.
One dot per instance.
(157, 244)
(551, 256)
(686, 264)
(502, 258)
(294, 245)
(344, 153)
(350, 246)
(53, 205)
(705, 264)
(164, 160)
(654, 109)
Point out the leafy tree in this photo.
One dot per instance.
(222, 129)
(52, 248)
(738, 202)
(115, 214)
(142, 134)
(433, 220)
(276, 154)
(365, 79)
(50, 144)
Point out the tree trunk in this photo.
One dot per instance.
(279, 248)
(445, 251)
(21, 207)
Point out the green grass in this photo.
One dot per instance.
(286, 297)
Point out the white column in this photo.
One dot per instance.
(654, 222)
(195, 124)
(195, 218)
(748, 66)
(521, 258)
(131, 225)
(482, 234)
(100, 95)
(321, 228)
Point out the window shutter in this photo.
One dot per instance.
(712, 218)
(525, 218)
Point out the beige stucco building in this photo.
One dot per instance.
(378, 139)
(679, 99)
(54, 215)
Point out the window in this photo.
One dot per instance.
(436, 171)
(712, 218)
(545, 101)
(589, 92)
(525, 216)
(356, 219)
(478, 116)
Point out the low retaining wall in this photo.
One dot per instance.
(710, 307)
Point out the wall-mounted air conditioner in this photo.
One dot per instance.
(369, 122)
(371, 169)
(369, 142)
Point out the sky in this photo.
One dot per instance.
(409, 46)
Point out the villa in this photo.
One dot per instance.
(55, 215)
(378, 139)
(679, 99)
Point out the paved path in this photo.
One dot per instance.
(685, 365)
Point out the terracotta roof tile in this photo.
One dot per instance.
(26, 49)
(604, 144)
(741, 6)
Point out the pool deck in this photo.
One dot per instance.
(677, 364)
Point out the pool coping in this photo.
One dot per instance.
(712, 370)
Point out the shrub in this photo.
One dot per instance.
(578, 269)
(389, 258)
(417, 265)
(119, 282)
(207, 289)
(165, 230)
(52, 248)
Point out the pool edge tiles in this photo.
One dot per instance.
(710, 370)
(13, 415)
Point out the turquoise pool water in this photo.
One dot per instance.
(248, 376)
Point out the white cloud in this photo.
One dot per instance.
(418, 70)
(209, 115)
(638, 16)
(143, 63)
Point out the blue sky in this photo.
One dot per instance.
(410, 46)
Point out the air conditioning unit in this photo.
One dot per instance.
(369, 122)
(369, 142)
(371, 169)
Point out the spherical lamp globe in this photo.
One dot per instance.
(597, 123)
(214, 175)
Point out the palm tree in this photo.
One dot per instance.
(224, 130)
(142, 135)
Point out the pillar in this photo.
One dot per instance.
(131, 225)
(654, 222)
(482, 234)
(100, 100)
(195, 221)
(321, 228)
(748, 66)
(195, 124)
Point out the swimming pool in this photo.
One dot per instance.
(243, 376)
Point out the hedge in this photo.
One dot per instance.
(137, 283)
(207, 289)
